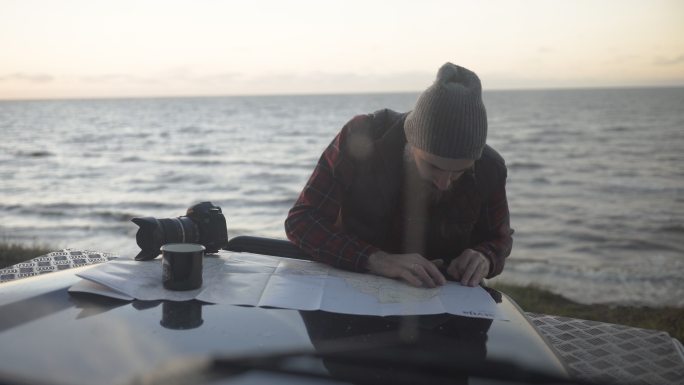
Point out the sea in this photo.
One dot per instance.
(595, 183)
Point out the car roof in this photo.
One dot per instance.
(48, 335)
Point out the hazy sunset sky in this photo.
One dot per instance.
(90, 48)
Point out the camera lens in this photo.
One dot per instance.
(153, 233)
(179, 230)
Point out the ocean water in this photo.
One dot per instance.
(596, 177)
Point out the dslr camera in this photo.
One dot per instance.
(203, 223)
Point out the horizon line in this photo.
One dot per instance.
(285, 94)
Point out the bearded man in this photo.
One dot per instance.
(416, 196)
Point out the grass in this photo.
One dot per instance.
(536, 300)
(530, 299)
(13, 253)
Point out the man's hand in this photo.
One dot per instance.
(470, 267)
(412, 268)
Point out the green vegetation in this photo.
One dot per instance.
(530, 298)
(13, 253)
(535, 300)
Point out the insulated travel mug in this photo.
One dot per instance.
(182, 266)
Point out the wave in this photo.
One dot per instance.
(203, 151)
(281, 202)
(83, 211)
(541, 180)
(525, 165)
(618, 129)
(117, 216)
(191, 161)
(256, 202)
(145, 187)
(207, 162)
(35, 154)
(674, 229)
(519, 214)
(184, 180)
(542, 245)
(625, 273)
(149, 205)
(621, 189)
(640, 245)
(253, 163)
(46, 209)
(270, 177)
(133, 158)
(654, 282)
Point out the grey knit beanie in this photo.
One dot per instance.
(449, 118)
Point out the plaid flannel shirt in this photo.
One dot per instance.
(311, 223)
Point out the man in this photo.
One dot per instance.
(403, 195)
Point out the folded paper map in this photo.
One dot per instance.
(257, 280)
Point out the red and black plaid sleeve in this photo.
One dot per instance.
(311, 223)
(499, 241)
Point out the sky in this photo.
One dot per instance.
(145, 48)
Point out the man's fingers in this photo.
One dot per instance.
(435, 274)
(454, 272)
(414, 269)
(458, 267)
(477, 275)
(422, 274)
(469, 271)
(469, 268)
(410, 278)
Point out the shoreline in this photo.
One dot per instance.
(529, 298)
(537, 300)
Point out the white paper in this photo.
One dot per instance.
(236, 289)
(84, 286)
(143, 280)
(256, 280)
(301, 293)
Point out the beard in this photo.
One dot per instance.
(419, 195)
(417, 186)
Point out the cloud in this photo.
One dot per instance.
(118, 78)
(217, 78)
(30, 78)
(177, 75)
(661, 61)
(345, 81)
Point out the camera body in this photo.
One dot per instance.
(203, 223)
(211, 223)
